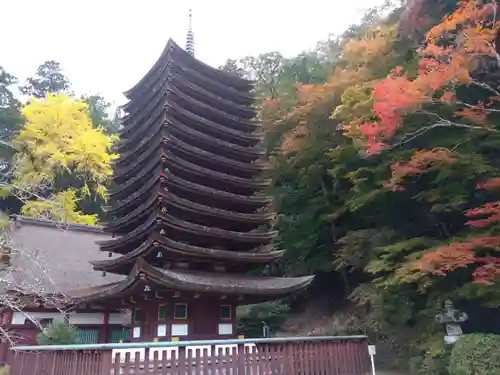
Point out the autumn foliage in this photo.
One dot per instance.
(481, 251)
(57, 140)
(421, 162)
(454, 49)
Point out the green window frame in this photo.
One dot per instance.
(162, 312)
(137, 315)
(225, 312)
(180, 311)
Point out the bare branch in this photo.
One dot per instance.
(484, 85)
(24, 279)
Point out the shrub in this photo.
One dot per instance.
(58, 332)
(250, 318)
(433, 361)
(476, 354)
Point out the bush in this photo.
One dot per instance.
(434, 361)
(476, 354)
(58, 332)
(250, 318)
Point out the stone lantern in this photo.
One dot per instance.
(451, 318)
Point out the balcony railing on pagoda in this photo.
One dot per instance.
(346, 355)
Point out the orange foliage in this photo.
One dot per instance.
(421, 162)
(491, 184)
(471, 35)
(484, 216)
(449, 258)
(296, 138)
(488, 213)
(476, 115)
(313, 98)
(482, 252)
(272, 110)
(305, 92)
(372, 47)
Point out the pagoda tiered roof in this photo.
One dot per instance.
(146, 277)
(188, 186)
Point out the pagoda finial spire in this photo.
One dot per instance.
(190, 35)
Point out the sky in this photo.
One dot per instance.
(106, 46)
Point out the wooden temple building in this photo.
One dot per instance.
(188, 225)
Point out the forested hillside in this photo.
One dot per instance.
(383, 146)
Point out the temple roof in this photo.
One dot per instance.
(54, 257)
(261, 288)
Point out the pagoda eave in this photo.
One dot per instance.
(243, 124)
(191, 89)
(236, 137)
(168, 199)
(182, 57)
(171, 91)
(246, 143)
(170, 160)
(175, 144)
(170, 181)
(157, 248)
(171, 141)
(173, 162)
(170, 223)
(178, 130)
(182, 131)
(145, 279)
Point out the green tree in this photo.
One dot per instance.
(49, 78)
(10, 117)
(98, 111)
(232, 66)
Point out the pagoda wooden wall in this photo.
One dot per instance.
(203, 319)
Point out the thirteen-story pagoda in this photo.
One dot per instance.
(187, 212)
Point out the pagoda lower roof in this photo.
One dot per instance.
(162, 220)
(157, 279)
(168, 199)
(174, 250)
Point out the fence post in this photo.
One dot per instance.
(241, 359)
(106, 362)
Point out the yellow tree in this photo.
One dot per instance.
(58, 140)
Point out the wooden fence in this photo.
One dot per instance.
(300, 356)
